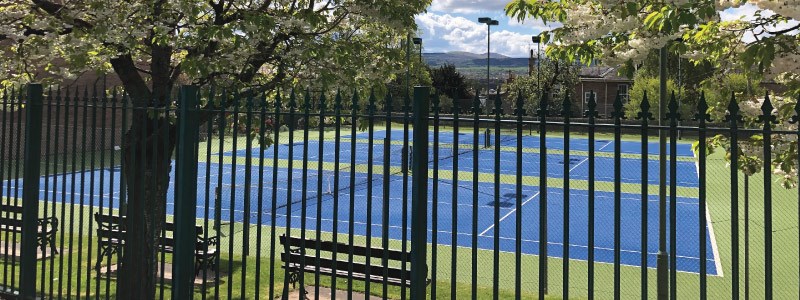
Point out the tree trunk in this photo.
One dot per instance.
(149, 145)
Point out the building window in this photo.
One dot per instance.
(623, 91)
(587, 96)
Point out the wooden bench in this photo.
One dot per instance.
(111, 232)
(297, 259)
(11, 220)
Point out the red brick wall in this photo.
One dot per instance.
(605, 94)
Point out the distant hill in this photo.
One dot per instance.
(468, 60)
(471, 64)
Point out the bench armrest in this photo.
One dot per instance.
(210, 241)
(44, 222)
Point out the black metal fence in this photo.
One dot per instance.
(307, 191)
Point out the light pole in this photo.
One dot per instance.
(489, 22)
(418, 41)
(538, 40)
(662, 258)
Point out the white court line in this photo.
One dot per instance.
(535, 195)
(711, 235)
(509, 213)
(283, 216)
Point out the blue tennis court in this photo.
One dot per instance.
(331, 201)
(232, 208)
(467, 137)
(579, 167)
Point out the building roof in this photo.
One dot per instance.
(603, 73)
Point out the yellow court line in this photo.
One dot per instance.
(466, 176)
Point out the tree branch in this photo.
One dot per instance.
(784, 31)
(55, 10)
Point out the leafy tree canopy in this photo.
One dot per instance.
(152, 44)
(625, 33)
(554, 78)
(448, 81)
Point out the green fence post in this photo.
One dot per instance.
(30, 190)
(185, 194)
(419, 199)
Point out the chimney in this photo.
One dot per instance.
(530, 64)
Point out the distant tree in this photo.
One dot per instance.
(418, 74)
(644, 82)
(556, 79)
(448, 81)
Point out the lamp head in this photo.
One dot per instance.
(536, 39)
(417, 41)
(484, 20)
(494, 22)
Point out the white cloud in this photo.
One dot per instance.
(747, 12)
(467, 6)
(535, 25)
(453, 33)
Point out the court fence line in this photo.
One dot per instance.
(396, 202)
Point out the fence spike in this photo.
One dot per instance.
(542, 111)
(250, 103)
(337, 105)
(672, 106)
(455, 105)
(58, 95)
(766, 112)
(566, 106)
(591, 112)
(354, 102)
(292, 100)
(644, 113)
(520, 104)
(619, 113)
(702, 109)
(371, 109)
(476, 104)
(49, 97)
(387, 105)
(66, 94)
(733, 110)
(796, 118)
(307, 100)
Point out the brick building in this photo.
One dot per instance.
(605, 83)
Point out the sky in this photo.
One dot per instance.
(452, 25)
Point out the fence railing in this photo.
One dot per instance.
(221, 193)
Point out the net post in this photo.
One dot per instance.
(185, 194)
(419, 214)
(30, 190)
(404, 159)
(387, 148)
(488, 138)
(217, 208)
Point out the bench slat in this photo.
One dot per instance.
(358, 267)
(11, 209)
(327, 246)
(343, 273)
